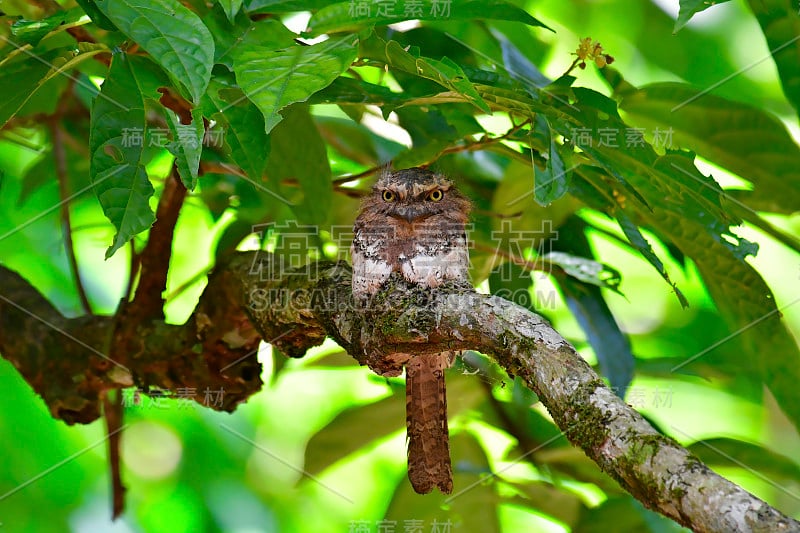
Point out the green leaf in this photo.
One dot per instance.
(624, 513)
(741, 138)
(638, 241)
(726, 453)
(586, 270)
(243, 32)
(23, 79)
(244, 125)
(116, 146)
(444, 72)
(350, 16)
(748, 306)
(97, 16)
(187, 145)
(305, 161)
(273, 79)
(173, 35)
(585, 300)
(345, 91)
(32, 31)
(377, 420)
(231, 8)
(551, 183)
(780, 23)
(691, 7)
(373, 421)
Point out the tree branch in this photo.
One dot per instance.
(298, 308)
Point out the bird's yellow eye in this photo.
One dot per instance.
(388, 196)
(435, 195)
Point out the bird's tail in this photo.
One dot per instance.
(426, 424)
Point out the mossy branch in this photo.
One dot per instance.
(297, 309)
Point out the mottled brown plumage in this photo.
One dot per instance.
(413, 224)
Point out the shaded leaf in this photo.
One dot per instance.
(585, 301)
(373, 421)
(549, 500)
(97, 16)
(117, 167)
(624, 513)
(298, 153)
(638, 241)
(243, 124)
(231, 8)
(173, 35)
(187, 145)
(551, 183)
(273, 79)
(377, 420)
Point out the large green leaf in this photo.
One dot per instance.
(24, 78)
(305, 162)
(173, 35)
(116, 146)
(746, 303)
(352, 16)
(273, 79)
(780, 22)
(741, 138)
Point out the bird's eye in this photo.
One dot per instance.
(388, 196)
(435, 195)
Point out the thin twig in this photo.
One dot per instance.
(62, 175)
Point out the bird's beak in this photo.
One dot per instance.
(409, 215)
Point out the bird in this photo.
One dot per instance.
(413, 224)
